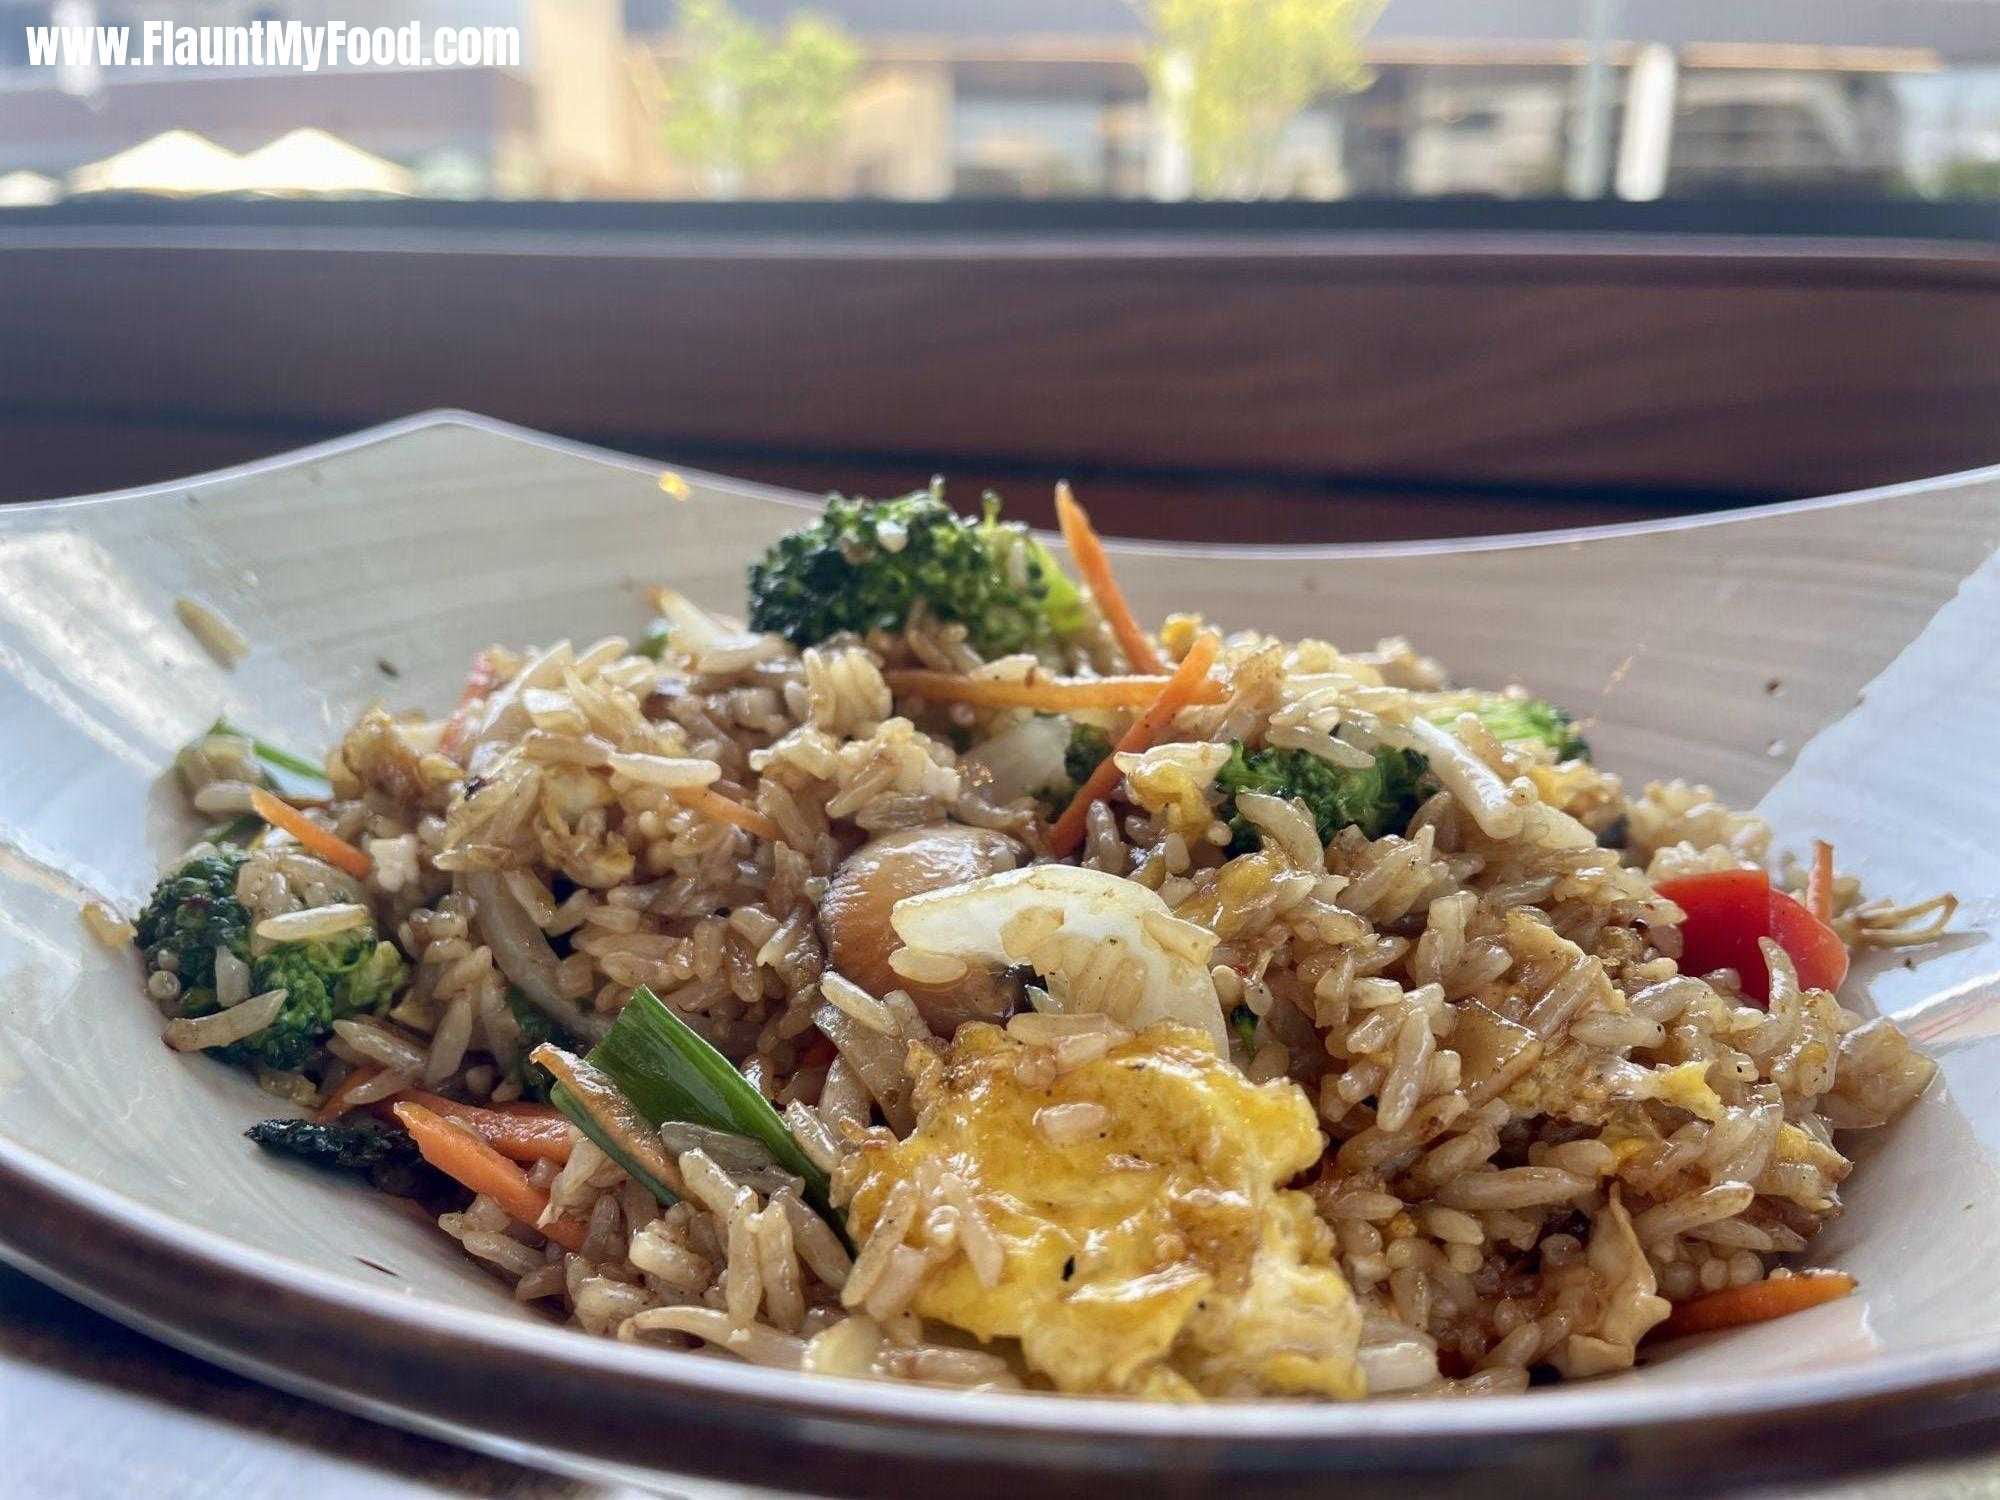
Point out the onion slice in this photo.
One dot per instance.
(877, 1060)
(523, 954)
(1025, 759)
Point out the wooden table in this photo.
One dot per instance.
(87, 1407)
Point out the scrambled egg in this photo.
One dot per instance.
(1159, 1256)
(1686, 1086)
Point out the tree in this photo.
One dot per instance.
(1968, 177)
(749, 107)
(1228, 77)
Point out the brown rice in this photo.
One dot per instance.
(1539, 1132)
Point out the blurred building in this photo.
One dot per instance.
(1048, 98)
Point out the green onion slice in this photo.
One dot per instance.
(652, 1069)
(278, 759)
(669, 1072)
(596, 1107)
(654, 642)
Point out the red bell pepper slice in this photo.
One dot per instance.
(1729, 910)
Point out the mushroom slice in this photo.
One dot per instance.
(854, 919)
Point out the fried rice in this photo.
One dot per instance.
(1536, 1135)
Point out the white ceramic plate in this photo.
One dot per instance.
(1733, 649)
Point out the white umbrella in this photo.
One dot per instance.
(309, 161)
(176, 162)
(27, 190)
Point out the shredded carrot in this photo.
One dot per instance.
(513, 1109)
(707, 800)
(544, 1135)
(473, 1164)
(480, 682)
(1819, 884)
(336, 1103)
(1091, 561)
(1050, 695)
(1759, 1302)
(1180, 691)
(330, 847)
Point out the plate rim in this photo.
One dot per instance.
(1365, 1441)
(444, 417)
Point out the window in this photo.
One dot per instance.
(934, 99)
(1049, 147)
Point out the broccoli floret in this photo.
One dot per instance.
(194, 911)
(536, 1028)
(356, 972)
(1088, 745)
(1511, 720)
(1378, 800)
(863, 565)
(325, 980)
(287, 1044)
(1243, 1023)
